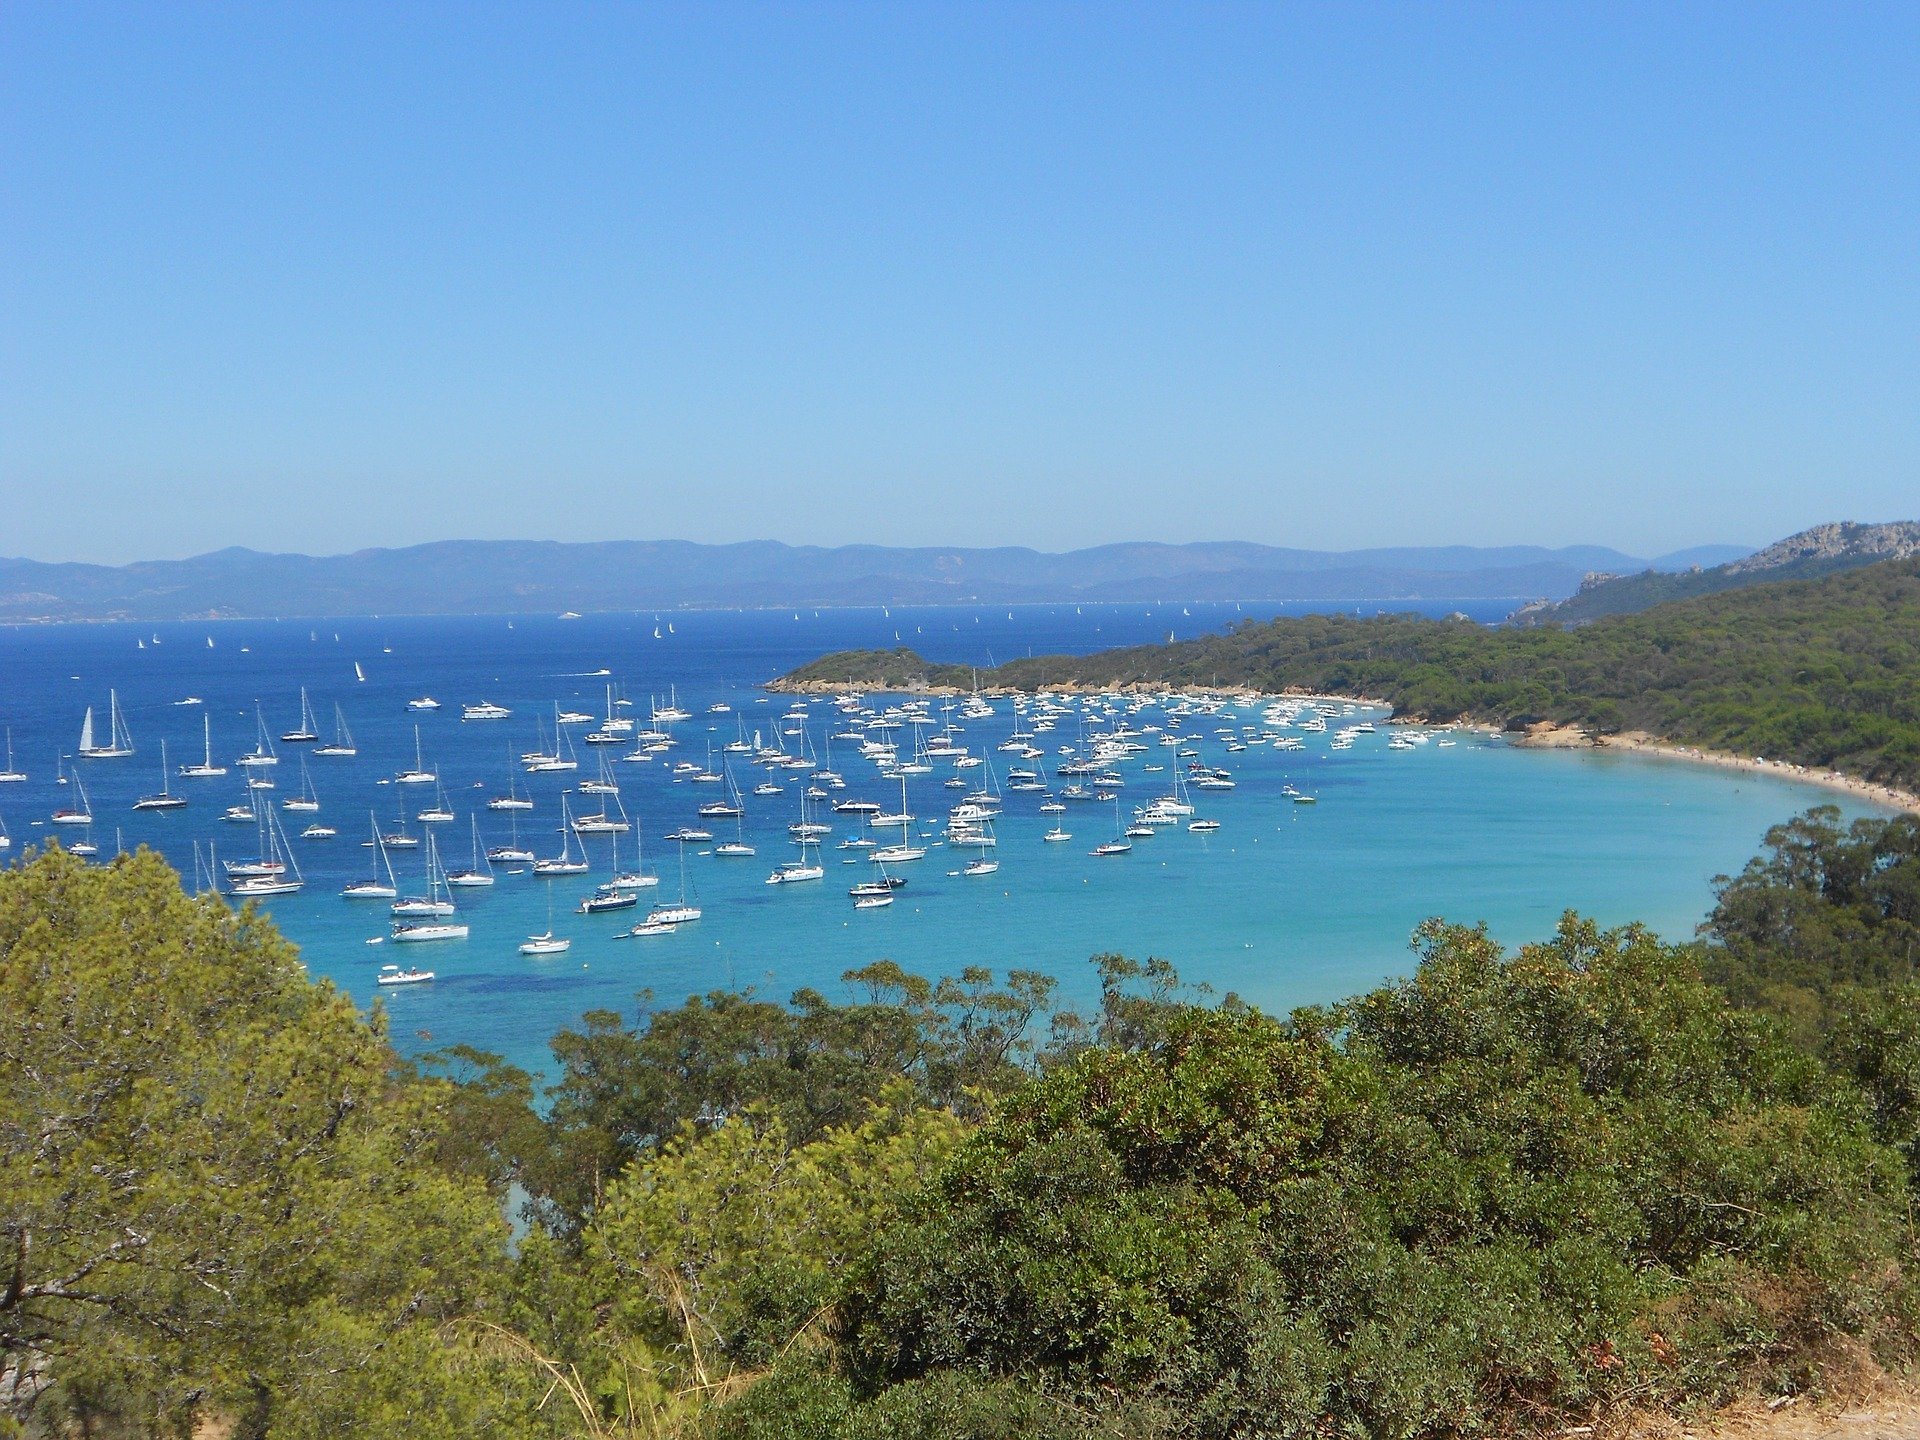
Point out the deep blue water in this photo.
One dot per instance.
(1285, 904)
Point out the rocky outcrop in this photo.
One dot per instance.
(1842, 540)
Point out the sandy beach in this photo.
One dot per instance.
(1641, 743)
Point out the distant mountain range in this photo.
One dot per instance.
(1823, 550)
(494, 576)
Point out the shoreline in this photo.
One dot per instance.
(1651, 747)
(1544, 736)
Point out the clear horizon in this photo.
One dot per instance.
(319, 279)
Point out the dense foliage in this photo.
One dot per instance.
(213, 1197)
(1823, 672)
(1507, 1193)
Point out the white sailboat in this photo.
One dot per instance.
(306, 802)
(479, 873)
(435, 902)
(905, 850)
(75, 812)
(547, 943)
(11, 776)
(419, 774)
(513, 852)
(682, 911)
(269, 875)
(119, 740)
(166, 799)
(374, 888)
(307, 731)
(206, 769)
(566, 862)
(342, 741)
(262, 752)
(440, 924)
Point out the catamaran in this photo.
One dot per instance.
(307, 731)
(119, 742)
(166, 799)
(374, 888)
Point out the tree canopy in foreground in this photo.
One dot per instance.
(1512, 1191)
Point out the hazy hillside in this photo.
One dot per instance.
(469, 577)
(1823, 550)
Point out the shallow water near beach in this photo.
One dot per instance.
(1286, 904)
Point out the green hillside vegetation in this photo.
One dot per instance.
(1820, 673)
(1629, 594)
(1513, 1191)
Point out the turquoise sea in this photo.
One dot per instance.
(1285, 904)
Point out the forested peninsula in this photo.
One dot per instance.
(1823, 673)
(1511, 1194)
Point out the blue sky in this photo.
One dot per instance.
(318, 277)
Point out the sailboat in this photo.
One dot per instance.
(477, 874)
(566, 862)
(374, 888)
(736, 847)
(262, 752)
(206, 769)
(438, 813)
(604, 785)
(268, 875)
(612, 895)
(681, 912)
(434, 902)
(547, 943)
(513, 852)
(342, 741)
(11, 776)
(984, 865)
(166, 799)
(1119, 845)
(78, 812)
(119, 740)
(307, 731)
(513, 799)
(905, 850)
(419, 774)
(306, 802)
(807, 867)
